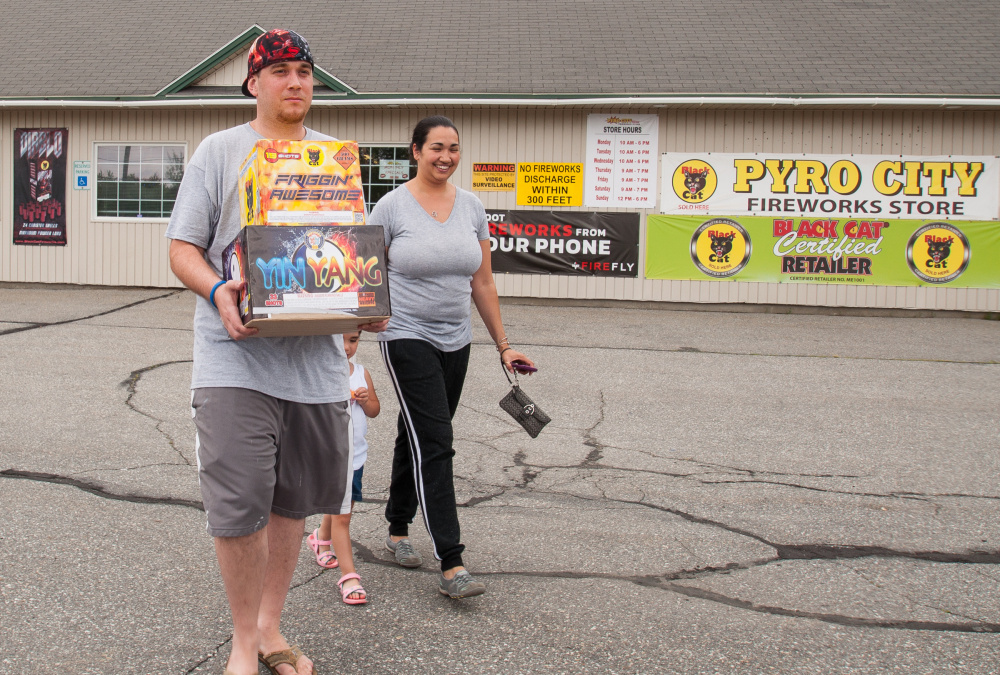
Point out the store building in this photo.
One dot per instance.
(856, 82)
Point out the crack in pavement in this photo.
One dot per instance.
(914, 496)
(757, 472)
(822, 551)
(784, 551)
(667, 582)
(663, 581)
(913, 601)
(528, 473)
(839, 619)
(213, 655)
(487, 413)
(32, 325)
(365, 555)
(891, 495)
(98, 490)
(125, 468)
(473, 501)
(590, 440)
(131, 384)
(156, 328)
(592, 459)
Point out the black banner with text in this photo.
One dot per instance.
(585, 243)
(40, 186)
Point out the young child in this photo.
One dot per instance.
(335, 530)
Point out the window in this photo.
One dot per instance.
(138, 180)
(383, 167)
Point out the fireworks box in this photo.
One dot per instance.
(302, 182)
(309, 279)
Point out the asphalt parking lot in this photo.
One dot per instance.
(718, 492)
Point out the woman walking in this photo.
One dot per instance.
(438, 254)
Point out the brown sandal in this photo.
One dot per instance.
(290, 656)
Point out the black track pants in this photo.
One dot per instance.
(428, 384)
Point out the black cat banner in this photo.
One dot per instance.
(575, 243)
(864, 187)
(850, 251)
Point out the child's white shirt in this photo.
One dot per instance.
(358, 418)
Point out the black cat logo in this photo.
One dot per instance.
(938, 252)
(721, 246)
(694, 181)
(314, 158)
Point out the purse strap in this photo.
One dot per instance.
(513, 383)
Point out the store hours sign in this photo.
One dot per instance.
(622, 153)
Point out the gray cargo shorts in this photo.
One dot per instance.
(259, 455)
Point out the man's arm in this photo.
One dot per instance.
(188, 262)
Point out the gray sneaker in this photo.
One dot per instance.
(405, 555)
(462, 586)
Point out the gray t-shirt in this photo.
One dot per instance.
(207, 214)
(430, 267)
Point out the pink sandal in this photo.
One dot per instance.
(325, 559)
(344, 592)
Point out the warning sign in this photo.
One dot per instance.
(493, 177)
(549, 184)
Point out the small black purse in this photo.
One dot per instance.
(524, 411)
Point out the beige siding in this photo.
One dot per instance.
(227, 74)
(134, 253)
(114, 252)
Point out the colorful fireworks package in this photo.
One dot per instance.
(309, 279)
(301, 183)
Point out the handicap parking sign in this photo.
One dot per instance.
(81, 171)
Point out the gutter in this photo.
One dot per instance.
(407, 101)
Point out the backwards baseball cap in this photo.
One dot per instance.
(275, 46)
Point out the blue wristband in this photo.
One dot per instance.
(211, 296)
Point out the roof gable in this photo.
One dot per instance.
(229, 73)
(226, 68)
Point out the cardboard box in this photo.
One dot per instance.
(309, 280)
(302, 182)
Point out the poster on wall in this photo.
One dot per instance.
(549, 184)
(40, 186)
(564, 242)
(869, 252)
(846, 186)
(493, 176)
(622, 153)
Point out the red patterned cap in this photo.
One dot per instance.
(275, 46)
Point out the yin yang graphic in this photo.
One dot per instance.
(314, 256)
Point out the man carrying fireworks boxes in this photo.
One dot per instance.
(311, 265)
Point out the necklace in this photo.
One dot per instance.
(434, 214)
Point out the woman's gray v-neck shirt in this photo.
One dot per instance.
(430, 267)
